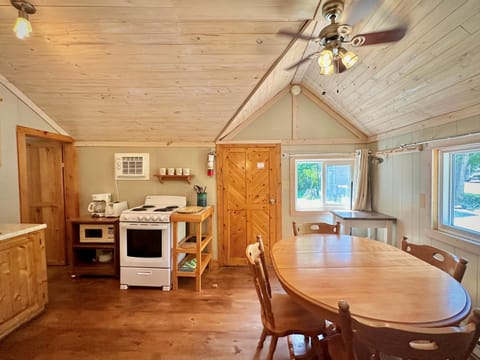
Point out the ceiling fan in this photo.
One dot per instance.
(334, 57)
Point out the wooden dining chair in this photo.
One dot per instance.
(281, 316)
(444, 260)
(315, 228)
(368, 340)
(263, 262)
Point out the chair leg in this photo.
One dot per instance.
(262, 339)
(273, 345)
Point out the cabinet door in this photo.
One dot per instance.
(17, 279)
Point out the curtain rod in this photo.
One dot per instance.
(418, 146)
(345, 154)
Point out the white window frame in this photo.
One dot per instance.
(440, 185)
(326, 159)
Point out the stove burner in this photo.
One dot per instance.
(166, 208)
(139, 209)
(147, 206)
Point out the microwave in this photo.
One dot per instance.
(97, 233)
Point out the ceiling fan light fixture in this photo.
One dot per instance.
(348, 58)
(23, 27)
(325, 58)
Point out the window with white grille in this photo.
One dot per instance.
(132, 166)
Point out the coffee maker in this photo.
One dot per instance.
(99, 203)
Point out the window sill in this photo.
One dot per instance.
(456, 241)
(315, 212)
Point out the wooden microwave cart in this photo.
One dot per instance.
(82, 255)
(197, 244)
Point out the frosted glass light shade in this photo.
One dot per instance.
(348, 58)
(325, 58)
(327, 70)
(22, 28)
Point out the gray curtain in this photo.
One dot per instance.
(361, 182)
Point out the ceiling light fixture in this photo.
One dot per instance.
(22, 27)
(334, 59)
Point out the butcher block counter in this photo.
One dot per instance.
(23, 274)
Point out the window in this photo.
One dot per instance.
(459, 191)
(322, 184)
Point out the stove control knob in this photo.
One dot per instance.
(154, 218)
(141, 218)
(148, 218)
(124, 217)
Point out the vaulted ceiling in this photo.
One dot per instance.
(191, 71)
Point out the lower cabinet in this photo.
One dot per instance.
(23, 280)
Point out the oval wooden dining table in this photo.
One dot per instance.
(380, 281)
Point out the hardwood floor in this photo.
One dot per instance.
(91, 318)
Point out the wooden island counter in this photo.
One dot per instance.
(23, 274)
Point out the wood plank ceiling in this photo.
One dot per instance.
(181, 71)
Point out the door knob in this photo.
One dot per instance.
(272, 201)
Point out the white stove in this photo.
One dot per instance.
(146, 242)
(157, 208)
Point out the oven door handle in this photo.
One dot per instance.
(144, 273)
(144, 226)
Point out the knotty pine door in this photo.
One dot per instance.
(249, 198)
(46, 195)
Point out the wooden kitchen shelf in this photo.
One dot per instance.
(205, 260)
(186, 178)
(197, 244)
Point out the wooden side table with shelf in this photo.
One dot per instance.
(84, 259)
(196, 245)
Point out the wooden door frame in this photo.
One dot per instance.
(220, 195)
(70, 180)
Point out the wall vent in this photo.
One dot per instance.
(132, 166)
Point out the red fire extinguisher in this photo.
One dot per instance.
(211, 163)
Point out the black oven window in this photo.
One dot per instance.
(144, 243)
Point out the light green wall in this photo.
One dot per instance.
(13, 112)
(96, 169)
(276, 123)
(314, 123)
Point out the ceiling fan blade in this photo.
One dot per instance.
(296, 35)
(379, 37)
(358, 11)
(304, 60)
